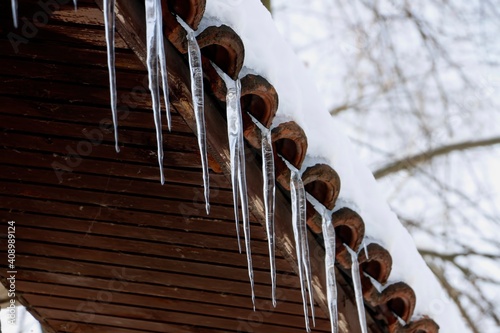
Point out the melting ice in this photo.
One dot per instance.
(269, 192)
(356, 280)
(14, 12)
(298, 198)
(198, 103)
(237, 158)
(331, 284)
(109, 24)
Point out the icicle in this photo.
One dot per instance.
(305, 256)
(237, 157)
(152, 64)
(242, 183)
(233, 130)
(331, 284)
(163, 62)
(14, 12)
(269, 193)
(366, 249)
(269, 201)
(198, 101)
(109, 23)
(298, 220)
(75, 4)
(356, 280)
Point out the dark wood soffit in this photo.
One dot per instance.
(130, 24)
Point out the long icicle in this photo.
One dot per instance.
(356, 280)
(233, 130)
(198, 105)
(331, 284)
(305, 248)
(242, 184)
(269, 192)
(237, 158)
(297, 196)
(305, 244)
(75, 4)
(109, 23)
(163, 62)
(152, 64)
(14, 12)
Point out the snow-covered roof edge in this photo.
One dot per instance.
(267, 54)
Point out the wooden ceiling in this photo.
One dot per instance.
(101, 245)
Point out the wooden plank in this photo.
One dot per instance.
(100, 232)
(176, 265)
(86, 14)
(89, 239)
(70, 321)
(90, 36)
(58, 280)
(63, 326)
(142, 301)
(159, 279)
(139, 317)
(77, 74)
(161, 222)
(71, 54)
(107, 184)
(61, 91)
(119, 201)
(17, 142)
(84, 114)
(74, 131)
(113, 169)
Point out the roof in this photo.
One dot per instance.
(94, 224)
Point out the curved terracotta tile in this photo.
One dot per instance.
(260, 99)
(350, 230)
(224, 47)
(397, 299)
(378, 265)
(191, 11)
(323, 183)
(424, 325)
(289, 141)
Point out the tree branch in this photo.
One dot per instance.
(267, 4)
(412, 161)
(453, 293)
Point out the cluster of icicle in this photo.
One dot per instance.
(156, 64)
(157, 77)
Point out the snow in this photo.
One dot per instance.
(267, 54)
(109, 24)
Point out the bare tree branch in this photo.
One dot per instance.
(267, 4)
(452, 292)
(412, 161)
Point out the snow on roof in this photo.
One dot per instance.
(267, 54)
